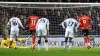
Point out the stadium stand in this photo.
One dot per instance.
(82, 1)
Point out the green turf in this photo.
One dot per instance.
(51, 52)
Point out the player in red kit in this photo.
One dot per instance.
(32, 27)
(86, 24)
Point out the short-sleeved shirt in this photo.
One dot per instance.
(43, 23)
(32, 22)
(85, 22)
(14, 22)
(71, 23)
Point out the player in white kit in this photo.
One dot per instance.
(70, 25)
(14, 22)
(42, 29)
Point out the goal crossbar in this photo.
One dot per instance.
(46, 4)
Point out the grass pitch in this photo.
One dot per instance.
(51, 52)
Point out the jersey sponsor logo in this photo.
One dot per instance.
(55, 41)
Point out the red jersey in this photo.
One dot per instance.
(32, 22)
(85, 22)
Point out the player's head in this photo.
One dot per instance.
(43, 16)
(66, 17)
(34, 13)
(84, 14)
(14, 15)
(4, 36)
(71, 16)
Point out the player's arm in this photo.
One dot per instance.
(63, 25)
(20, 23)
(77, 26)
(2, 43)
(27, 23)
(80, 22)
(37, 26)
(9, 22)
(91, 23)
(48, 26)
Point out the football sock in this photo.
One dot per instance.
(39, 42)
(33, 42)
(85, 41)
(38, 47)
(65, 43)
(46, 45)
(70, 45)
(88, 41)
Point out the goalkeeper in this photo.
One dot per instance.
(6, 43)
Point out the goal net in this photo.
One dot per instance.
(55, 12)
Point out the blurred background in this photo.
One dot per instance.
(78, 1)
(55, 14)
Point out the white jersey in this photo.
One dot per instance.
(42, 26)
(43, 23)
(15, 22)
(70, 24)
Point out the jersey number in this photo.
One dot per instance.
(70, 23)
(33, 21)
(42, 20)
(14, 22)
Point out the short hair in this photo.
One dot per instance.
(34, 13)
(84, 13)
(14, 15)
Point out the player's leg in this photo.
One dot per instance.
(33, 42)
(70, 43)
(12, 33)
(46, 43)
(93, 42)
(87, 41)
(39, 42)
(16, 38)
(87, 38)
(13, 44)
(65, 43)
(44, 34)
(33, 39)
(66, 39)
(11, 38)
(71, 35)
(2, 43)
(39, 39)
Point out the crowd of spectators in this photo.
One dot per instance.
(83, 1)
(56, 16)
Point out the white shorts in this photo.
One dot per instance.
(69, 33)
(42, 32)
(14, 32)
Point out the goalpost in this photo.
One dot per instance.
(56, 12)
